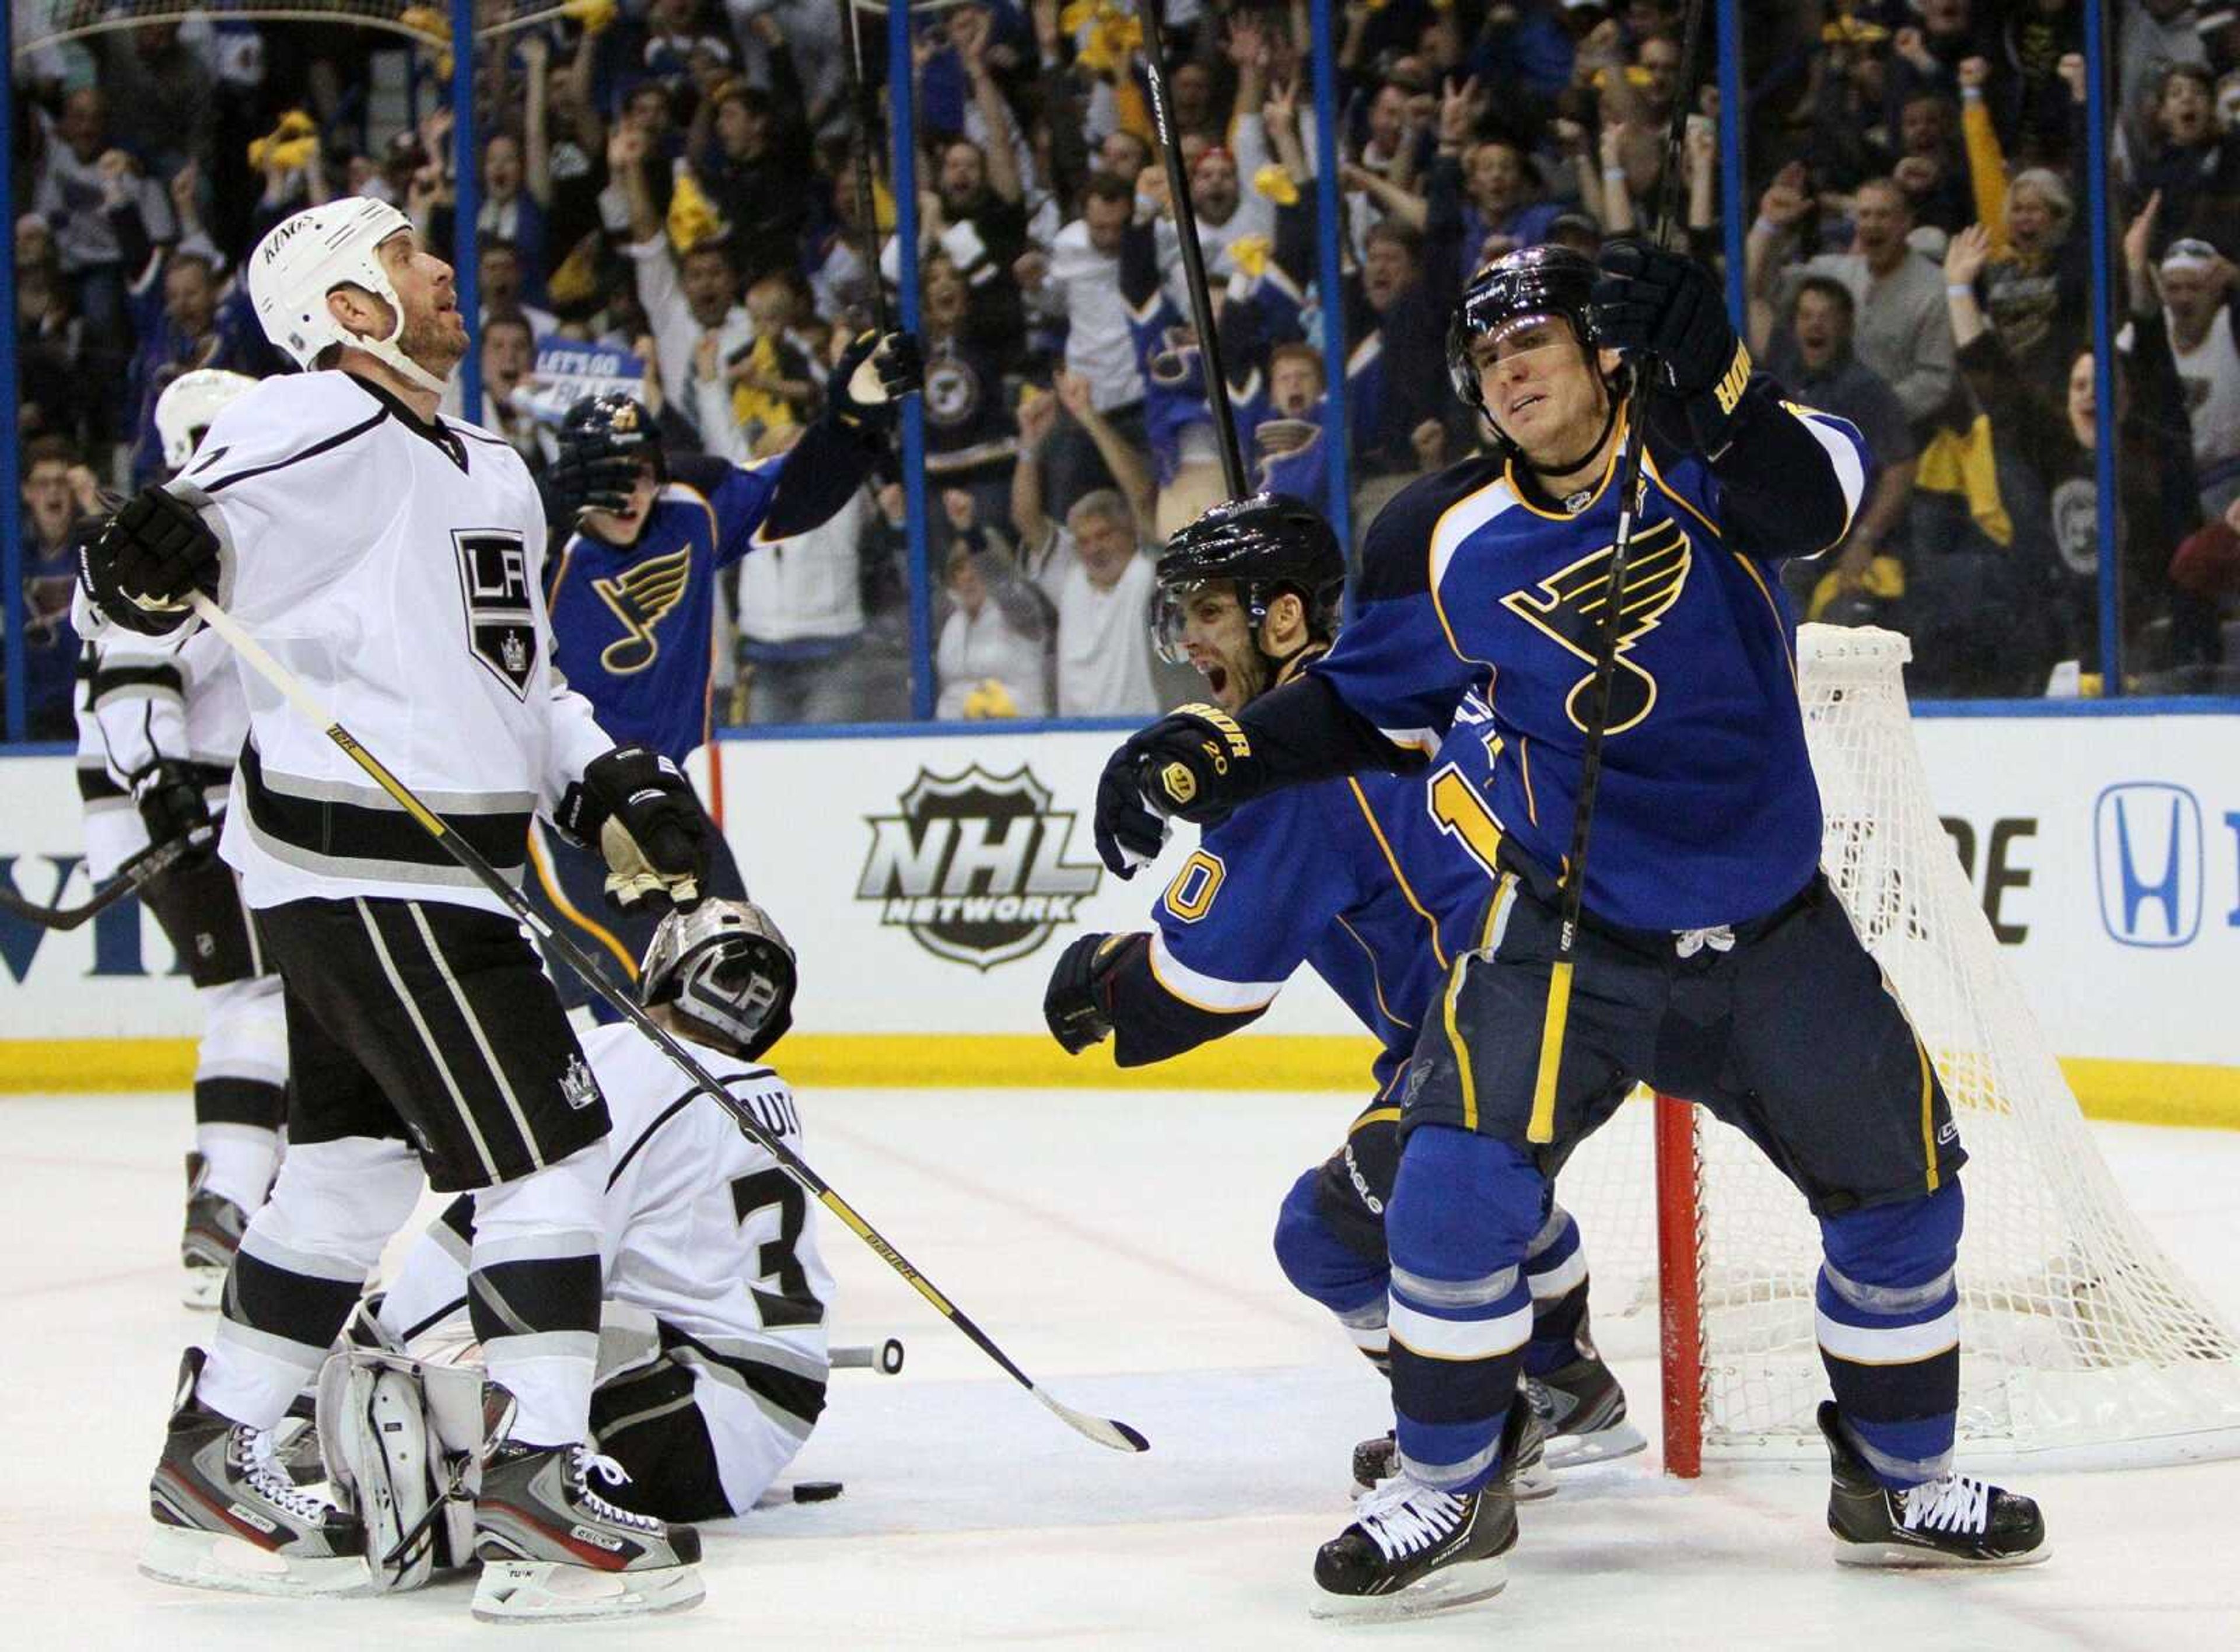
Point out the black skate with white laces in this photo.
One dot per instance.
(214, 1224)
(228, 1516)
(1955, 1521)
(1526, 1467)
(1413, 1548)
(552, 1549)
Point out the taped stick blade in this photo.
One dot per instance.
(1106, 1431)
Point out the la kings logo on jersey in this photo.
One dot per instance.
(975, 866)
(501, 622)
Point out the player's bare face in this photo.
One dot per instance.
(435, 333)
(623, 527)
(1218, 637)
(1538, 387)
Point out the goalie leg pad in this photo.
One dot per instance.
(400, 1438)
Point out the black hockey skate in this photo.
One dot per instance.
(1582, 1409)
(228, 1516)
(1413, 1548)
(213, 1234)
(1956, 1520)
(1377, 1459)
(553, 1550)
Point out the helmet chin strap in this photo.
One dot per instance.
(391, 353)
(1565, 467)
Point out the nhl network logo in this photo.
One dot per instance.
(975, 866)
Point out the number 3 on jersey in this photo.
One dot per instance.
(791, 1302)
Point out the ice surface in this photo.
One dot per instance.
(1116, 1246)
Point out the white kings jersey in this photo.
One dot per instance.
(700, 1229)
(396, 567)
(140, 699)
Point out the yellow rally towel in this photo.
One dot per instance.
(292, 143)
(1961, 462)
(1275, 182)
(989, 699)
(596, 16)
(435, 27)
(1885, 578)
(692, 217)
(1250, 254)
(756, 410)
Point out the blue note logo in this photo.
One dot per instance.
(2147, 850)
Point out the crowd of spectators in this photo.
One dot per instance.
(672, 178)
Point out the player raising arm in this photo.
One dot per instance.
(393, 559)
(1373, 881)
(1712, 961)
(633, 591)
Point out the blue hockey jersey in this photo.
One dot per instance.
(632, 624)
(1706, 812)
(1376, 881)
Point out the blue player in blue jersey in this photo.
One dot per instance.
(632, 594)
(1375, 882)
(1712, 961)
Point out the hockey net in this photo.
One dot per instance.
(2079, 1337)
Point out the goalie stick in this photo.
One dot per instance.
(1542, 1126)
(1106, 1431)
(134, 875)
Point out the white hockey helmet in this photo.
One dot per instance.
(724, 965)
(189, 404)
(309, 254)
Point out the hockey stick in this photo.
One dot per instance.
(1542, 1126)
(134, 875)
(1208, 343)
(1104, 1430)
(867, 200)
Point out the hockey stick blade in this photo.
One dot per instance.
(1108, 1432)
(134, 875)
(1116, 1435)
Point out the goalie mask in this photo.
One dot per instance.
(308, 255)
(1264, 545)
(189, 404)
(726, 967)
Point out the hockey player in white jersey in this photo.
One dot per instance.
(713, 1362)
(160, 722)
(391, 560)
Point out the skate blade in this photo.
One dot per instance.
(1603, 1445)
(213, 1560)
(1464, 1584)
(1907, 1558)
(203, 1288)
(514, 1591)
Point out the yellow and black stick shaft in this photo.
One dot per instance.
(1104, 1430)
(1541, 1129)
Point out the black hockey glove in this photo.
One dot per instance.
(597, 471)
(1075, 1005)
(1665, 304)
(872, 377)
(640, 811)
(170, 803)
(138, 570)
(1194, 763)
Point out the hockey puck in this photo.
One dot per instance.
(816, 1490)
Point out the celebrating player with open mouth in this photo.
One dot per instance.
(1713, 961)
(394, 559)
(1375, 882)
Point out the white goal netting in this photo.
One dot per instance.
(2079, 1337)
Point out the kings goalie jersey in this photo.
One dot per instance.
(699, 1229)
(1376, 881)
(393, 566)
(1706, 812)
(634, 623)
